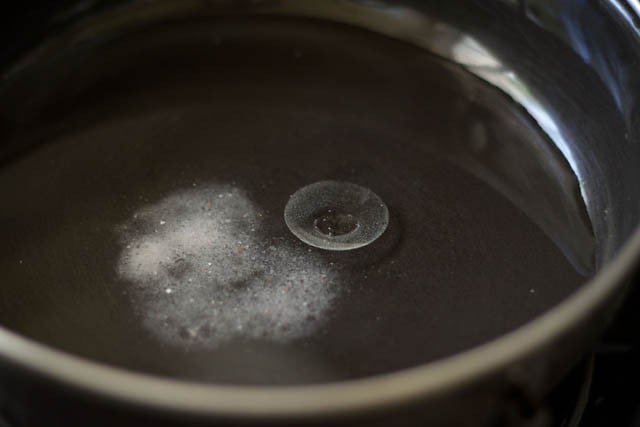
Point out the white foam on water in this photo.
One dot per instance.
(201, 274)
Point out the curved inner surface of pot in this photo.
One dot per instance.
(471, 163)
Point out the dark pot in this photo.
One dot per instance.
(571, 66)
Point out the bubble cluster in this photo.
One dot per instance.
(202, 273)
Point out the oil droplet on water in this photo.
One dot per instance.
(336, 215)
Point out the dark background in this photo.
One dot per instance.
(614, 398)
(615, 391)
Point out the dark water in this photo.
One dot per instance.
(111, 143)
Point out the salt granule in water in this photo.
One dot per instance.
(206, 277)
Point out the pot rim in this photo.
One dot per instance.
(365, 394)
